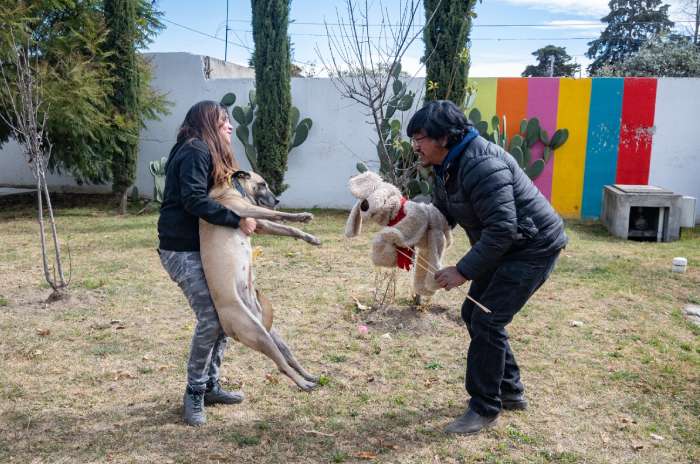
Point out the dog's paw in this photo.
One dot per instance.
(307, 386)
(303, 217)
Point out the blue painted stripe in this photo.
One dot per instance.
(605, 116)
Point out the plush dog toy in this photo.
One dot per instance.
(408, 225)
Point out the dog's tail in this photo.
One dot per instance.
(266, 309)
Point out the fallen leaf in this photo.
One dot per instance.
(272, 379)
(387, 336)
(637, 446)
(359, 305)
(43, 332)
(656, 437)
(146, 357)
(576, 323)
(120, 327)
(430, 381)
(115, 321)
(119, 375)
(367, 455)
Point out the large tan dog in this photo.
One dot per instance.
(245, 314)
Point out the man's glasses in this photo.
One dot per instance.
(417, 140)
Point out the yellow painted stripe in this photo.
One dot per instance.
(486, 90)
(570, 159)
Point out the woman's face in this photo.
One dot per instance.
(430, 151)
(225, 127)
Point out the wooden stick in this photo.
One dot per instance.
(431, 271)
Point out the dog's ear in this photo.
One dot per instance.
(241, 175)
(353, 226)
(362, 185)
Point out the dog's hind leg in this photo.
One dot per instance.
(289, 357)
(251, 333)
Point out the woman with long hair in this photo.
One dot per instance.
(201, 158)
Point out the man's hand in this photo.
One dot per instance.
(449, 278)
(247, 225)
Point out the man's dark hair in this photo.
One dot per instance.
(438, 119)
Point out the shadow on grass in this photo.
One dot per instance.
(156, 432)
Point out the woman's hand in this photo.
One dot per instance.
(247, 225)
(449, 278)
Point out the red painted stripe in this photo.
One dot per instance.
(636, 131)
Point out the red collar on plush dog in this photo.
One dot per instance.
(404, 256)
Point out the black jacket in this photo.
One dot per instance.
(188, 179)
(504, 214)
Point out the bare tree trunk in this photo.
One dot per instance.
(26, 116)
(121, 200)
(54, 234)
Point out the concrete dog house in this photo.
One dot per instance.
(642, 212)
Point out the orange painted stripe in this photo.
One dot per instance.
(511, 101)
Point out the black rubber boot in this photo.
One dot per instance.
(194, 406)
(217, 395)
(514, 402)
(470, 423)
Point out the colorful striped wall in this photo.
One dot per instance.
(611, 130)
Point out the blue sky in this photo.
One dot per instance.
(500, 46)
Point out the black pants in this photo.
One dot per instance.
(491, 367)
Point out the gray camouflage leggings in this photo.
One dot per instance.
(209, 340)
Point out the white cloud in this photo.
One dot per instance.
(589, 8)
(596, 8)
(566, 24)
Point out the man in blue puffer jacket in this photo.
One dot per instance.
(515, 235)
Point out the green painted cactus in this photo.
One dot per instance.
(400, 158)
(245, 116)
(520, 145)
(157, 169)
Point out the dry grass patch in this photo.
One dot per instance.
(99, 378)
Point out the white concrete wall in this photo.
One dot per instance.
(341, 136)
(318, 169)
(675, 154)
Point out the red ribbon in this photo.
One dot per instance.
(404, 256)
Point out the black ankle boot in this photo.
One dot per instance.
(217, 395)
(194, 406)
(470, 423)
(514, 402)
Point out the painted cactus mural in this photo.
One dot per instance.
(610, 124)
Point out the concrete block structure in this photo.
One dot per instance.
(642, 212)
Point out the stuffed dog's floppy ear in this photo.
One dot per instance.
(362, 185)
(354, 224)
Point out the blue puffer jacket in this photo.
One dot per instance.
(504, 214)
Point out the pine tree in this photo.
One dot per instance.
(273, 90)
(69, 40)
(446, 38)
(120, 17)
(563, 67)
(630, 24)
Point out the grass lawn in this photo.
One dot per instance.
(99, 378)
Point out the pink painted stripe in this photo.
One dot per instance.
(543, 95)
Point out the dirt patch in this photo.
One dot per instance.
(410, 319)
